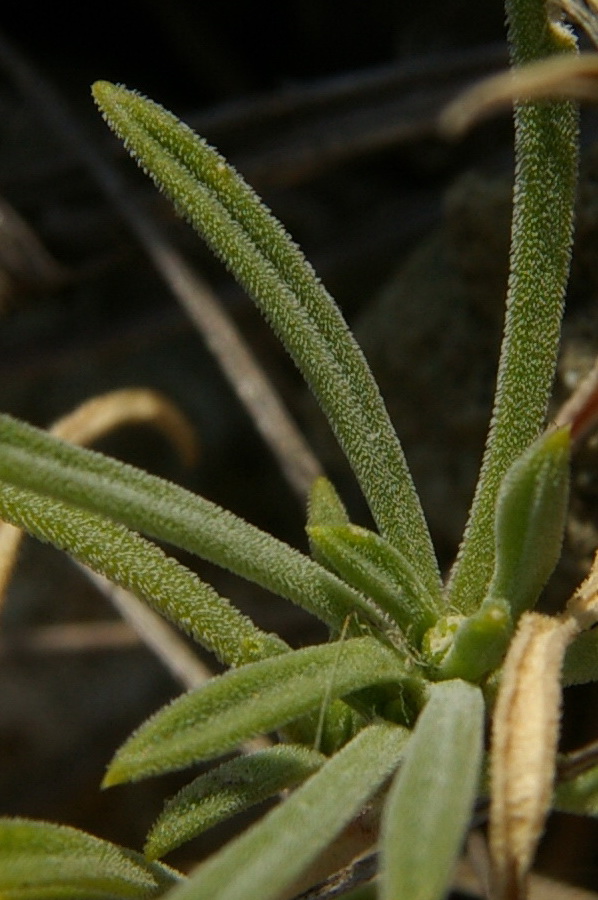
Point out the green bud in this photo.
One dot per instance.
(530, 519)
(324, 507)
(469, 647)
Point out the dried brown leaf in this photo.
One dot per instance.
(524, 745)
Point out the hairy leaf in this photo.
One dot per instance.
(129, 560)
(431, 800)
(268, 857)
(53, 862)
(33, 459)
(546, 149)
(254, 699)
(227, 790)
(270, 266)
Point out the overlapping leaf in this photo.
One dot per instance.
(378, 570)
(131, 561)
(269, 857)
(254, 699)
(232, 787)
(31, 458)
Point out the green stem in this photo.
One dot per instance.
(546, 148)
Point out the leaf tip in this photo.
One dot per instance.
(102, 91)
(114, 775)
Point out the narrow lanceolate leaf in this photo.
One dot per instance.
(33, 459)
(381, 572)
(254, 699)
(53, 862)
(546, 147)
(229, 789)
(431, 800)
(270, 856)
(255, 247)
(129, 560)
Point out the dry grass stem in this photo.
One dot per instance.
(129, 406)
(566, 77)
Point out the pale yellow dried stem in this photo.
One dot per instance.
(96, 418)
(559, 77)
(129, 406)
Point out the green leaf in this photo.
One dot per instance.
(33, 459)
(42, 861)
(232, 787)
(129, 560)
(546, 148)
(579, 795)
(530, 521)
(431, 800)
(270, 266)
(252, 700)
(268, 858)
(378, 570)
(581, 659)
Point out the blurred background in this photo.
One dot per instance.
(331, 113)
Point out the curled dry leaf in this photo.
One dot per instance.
(130, 406)
(558, 77)
(524, 745)
(96, 418)
(525, 736)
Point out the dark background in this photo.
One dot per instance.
(330, 111)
